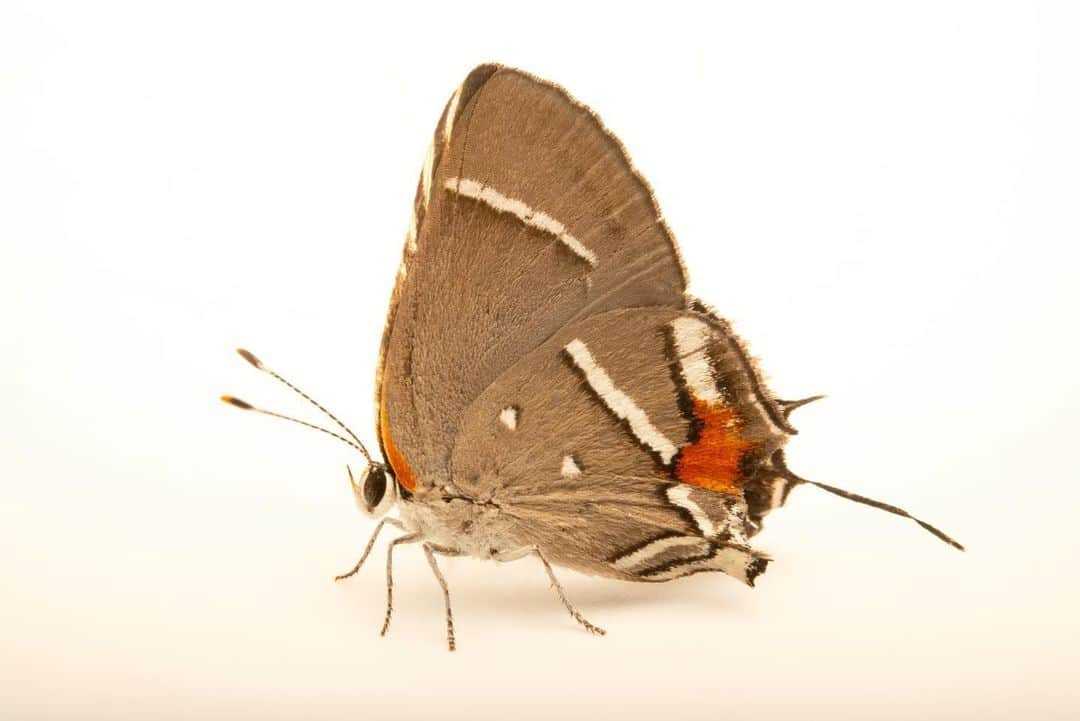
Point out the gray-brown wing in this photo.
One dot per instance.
(623, 445)
(528, 216)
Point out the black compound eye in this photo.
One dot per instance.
(374, 487)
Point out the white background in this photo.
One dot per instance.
(883, 198)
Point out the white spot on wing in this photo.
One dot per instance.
(570, 468)
(680, 496)
(619, 403)
(508, 417)
(533, 218)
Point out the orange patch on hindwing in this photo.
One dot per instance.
(713, 460)
(402, 472)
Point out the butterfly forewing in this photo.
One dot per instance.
(529, 216)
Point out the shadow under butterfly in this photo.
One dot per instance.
(546, 386)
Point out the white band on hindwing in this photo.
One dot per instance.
(680, 496)
(620, 404)
(650, 551)
(691, 342)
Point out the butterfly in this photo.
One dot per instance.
(546, 385)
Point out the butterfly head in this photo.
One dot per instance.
(374, 490)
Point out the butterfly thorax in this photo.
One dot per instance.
(463, 524)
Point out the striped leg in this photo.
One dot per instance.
(410, 538)
(534, 550)
(367, 549)
(430, 552)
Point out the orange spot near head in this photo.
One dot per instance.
(397, 461)
(713, 460)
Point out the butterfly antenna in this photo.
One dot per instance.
(778, 463)
(253, 360)
(244, 405)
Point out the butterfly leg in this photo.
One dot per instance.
(430, 551)
(534, 550)
(410, 538)
(367, 550)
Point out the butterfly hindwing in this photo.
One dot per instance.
(623, 446)
(529, 217)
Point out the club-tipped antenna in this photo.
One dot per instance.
(254, 361)
(782, 469)
(244, 405)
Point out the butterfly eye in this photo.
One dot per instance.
(374, 487)
(373, 490)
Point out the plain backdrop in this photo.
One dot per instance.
(882, 197)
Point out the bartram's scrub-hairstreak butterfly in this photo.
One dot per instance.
(546, 387)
